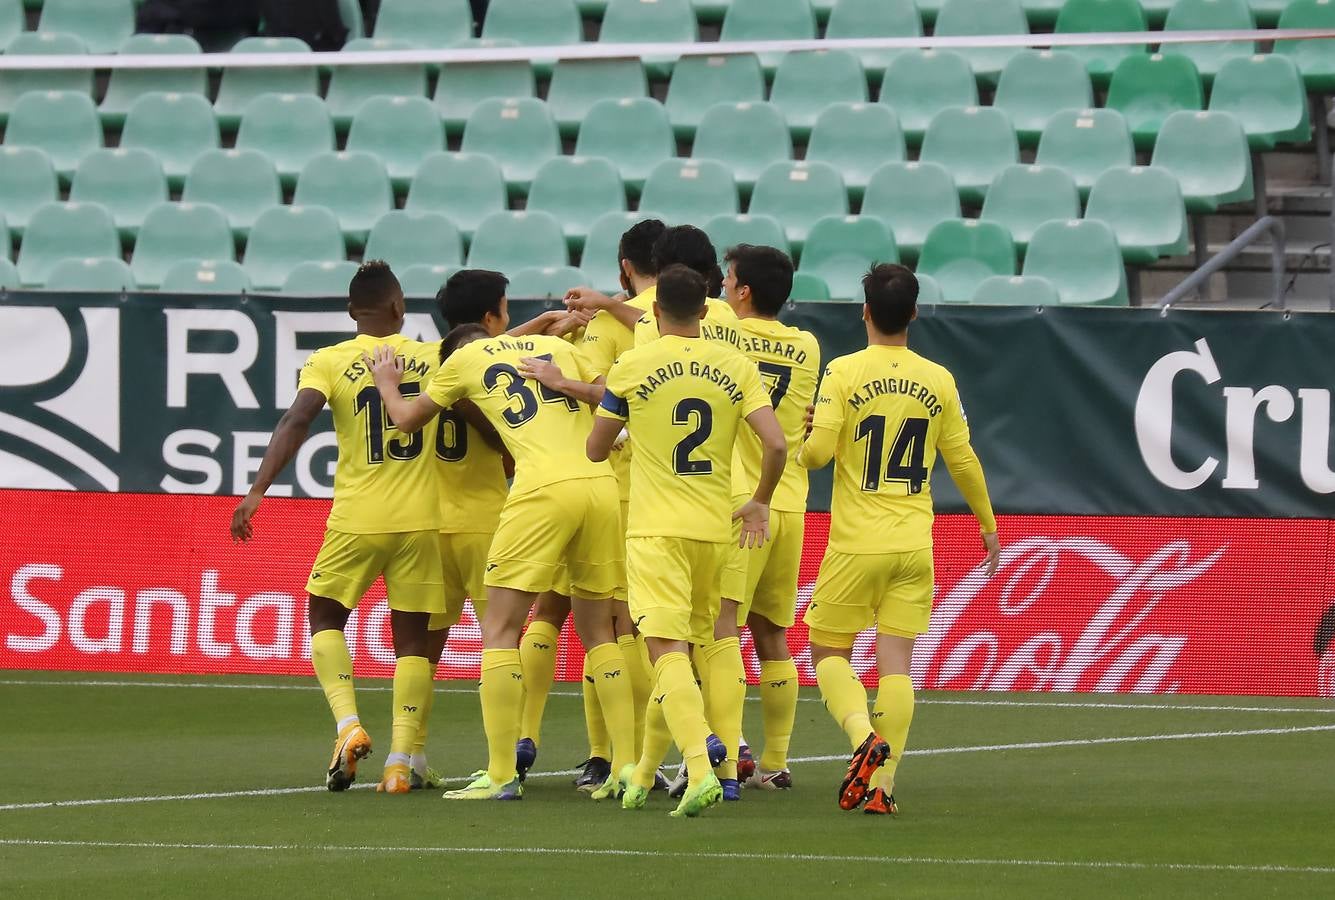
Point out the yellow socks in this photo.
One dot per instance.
(724, 696)
(845, 697)
(412, 683)
(892, 716)
(778, 703)
(537, 658)
(600, 743)
(612, 681)
(333, 668)
(657, 740)
(684, 710)
(501, 692)
(641, 681)
(419, 745)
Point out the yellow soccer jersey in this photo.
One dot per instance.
(789, 362)
(683, 400)
(884, 412)
(471, 478)
(545, 431)
(720, 324)
(384, 482)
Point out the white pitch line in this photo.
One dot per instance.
(685, 854)
(930, 751)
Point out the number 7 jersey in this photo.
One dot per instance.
(384, 482)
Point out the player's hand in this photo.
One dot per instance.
(565, 322)
(993, 546)
(808, 418)
(386, 368)
(755, 524)
(622, 437)
(242, 530)
(587, 299)
(542, 371)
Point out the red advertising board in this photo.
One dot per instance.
(153, 583)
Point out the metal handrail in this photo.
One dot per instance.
(1271, 225)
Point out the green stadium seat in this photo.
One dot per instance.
(798, 194)
(545, 282)
(745, 137)
(27, 183)
(1156, 11)
(634, 134)
(599, 260)
(534, 23)
(1148, 89)
(808, 288)
(1023, 197)
(1265, 94)
(424, 23)
(510, 241)
(930, 9)
(1144, 208)
(62, 123)
(920, 83)
(710, 10)
(874, 18)
(406, 238)
(1086, 143)
(840, 249)
(350, 11)
(701, 82)
(424, 281)
(1315, 58)
(1084, 16)
(176, 128)
(352, 86)
(576, 190)
(577, 84)
(961, 254)
(760, 230)
(806, 83)
(353, 186)
(856, 138)
(240, 183)
(768, 20)
(1042, 13)
(175, 231)
(1038, 84)
(9, 276)
(463, 85)
(911, 198)
(329, 278)
(400, 132)
(241, 86)
(974, 143)
(684, 191)
(1016, 290)
(284, 237)
(126, 182)
(6, 240)
(91, 274)
(464, 187)
(929, 291)
(205, 276)
(1268, 12)
(13, 85)
(103, 25)
(1081, 259)
(1210, 15)
(519, 134)
(128, 85)
(62, 231)
(290, 129)
(644, 21)
(970, 18)
(11, 21)
(1207, 153)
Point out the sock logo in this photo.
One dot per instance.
(778, 684)
(410, 709)
(491, 566)
(639, 619)
(660, 699)
(742, 680)
(536, 646)
(344, 676)
(615, 673)
(589, 679)
(517, 676)
(877, 715)
(315, 576)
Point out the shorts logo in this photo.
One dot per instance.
(491, 566)
(315, 576)
(660, 699)
(589, 679)
(615, 673)
(517, 676)
(639, 619)
(778, 684)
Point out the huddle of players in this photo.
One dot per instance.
(693, 529)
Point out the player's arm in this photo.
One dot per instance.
(387, 370)
(556, 322)
(475, 417)
(774, 455)
(967, 472)
(601, 439)
(589, 300)
(549, 374)
(283, 445)
(826, 423)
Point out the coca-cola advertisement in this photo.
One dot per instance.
(152, 583)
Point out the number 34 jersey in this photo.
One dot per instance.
(385, 482)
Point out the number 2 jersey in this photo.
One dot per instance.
(384, 482)
(883, 413)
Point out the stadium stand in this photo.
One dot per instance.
(1082, 259)
(632, 133)
(839, 250)
(240, 183)
(465, 187)
(546, 282)
(240, 86)
(1086, 143)
(576, 190)
(797, 195)
(27, 183)
(176, 231)
(126, 182)
(856, 138)
(399, 131)
(519, 133)
(806, 83)
(286, 236)
(1024, 197)
(578, 84)
(290, 129)
(94, 274)
(423, 281)
(404, 238)
(462, 86)
(683, 191)
(745, 137)
(921, 83)
(1037, 85)
(911, 199)
(509, 241)
(320, 279)
(128, 85)
(961, 254)
(1016, 290)
(60, 231)
(1144, 208)
(699, 83)
(209, 276)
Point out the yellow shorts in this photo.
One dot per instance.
(463, 559)
(573, 524)
(854, 591)
(764, 580)
(409, 560)
(674, 587)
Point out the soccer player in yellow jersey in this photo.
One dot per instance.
(561, 513)
(883, 413)
(384, 521)
(683, 400)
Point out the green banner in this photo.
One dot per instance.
(1079, 411)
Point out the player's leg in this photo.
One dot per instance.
(632, 646)
(423, 776)
(457, 562)
(537, 659)
(773, 593)
(721, 660)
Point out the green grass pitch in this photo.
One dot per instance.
(1007, 795)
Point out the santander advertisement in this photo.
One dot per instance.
(153, 583)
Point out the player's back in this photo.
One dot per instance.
(719, 324)
(384, 482)
(471, 477)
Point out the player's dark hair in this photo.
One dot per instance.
(469, 295)
(891, 292)
(688, 246)
(637, 245)
(681, 293)
(767, 271)
(1325, 632)
(373, 285)
(457, 337)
